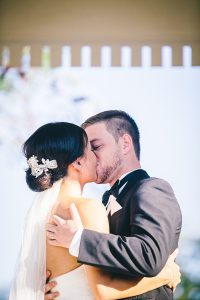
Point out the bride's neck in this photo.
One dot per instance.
(70, 192)
(71, 187)
(71, 184)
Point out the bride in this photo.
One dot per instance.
(60, 163)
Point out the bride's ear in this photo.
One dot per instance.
(77, 164)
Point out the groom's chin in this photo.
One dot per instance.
(99, 181)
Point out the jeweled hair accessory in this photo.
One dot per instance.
(38, 169)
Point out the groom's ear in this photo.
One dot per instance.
(127, 143)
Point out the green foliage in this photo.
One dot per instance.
(188, 289)
(189, 261)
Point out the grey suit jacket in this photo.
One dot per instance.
(143, 233)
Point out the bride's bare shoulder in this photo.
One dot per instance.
(93, 214)
(89, 203)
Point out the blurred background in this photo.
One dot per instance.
(67, 60)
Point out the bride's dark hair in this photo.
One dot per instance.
(60, 141)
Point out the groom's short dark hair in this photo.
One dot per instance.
(117, 123)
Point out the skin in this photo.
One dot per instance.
(82, 171)
(113, 159)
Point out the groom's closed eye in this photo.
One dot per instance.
(94, 148)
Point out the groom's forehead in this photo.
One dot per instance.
(96, 131)
(96, 126)
(94, 141)
(97, 137)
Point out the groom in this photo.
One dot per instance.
(144, 216)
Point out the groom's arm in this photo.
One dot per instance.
(154, 218)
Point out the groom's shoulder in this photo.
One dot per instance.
(154, 187)
(154, 182)
(151, 186)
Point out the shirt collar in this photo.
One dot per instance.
(128, 173)
(124, 176)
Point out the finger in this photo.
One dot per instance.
(48, 275)
(174, 254)
(75, 215)
(49, 286)
(53, 243)
(58, 220)
(51, 227)
(50, 235)
(51, 296)
(170, 285)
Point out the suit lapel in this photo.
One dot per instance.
(132, 179)
(118, 219)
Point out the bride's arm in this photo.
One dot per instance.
(108, 286)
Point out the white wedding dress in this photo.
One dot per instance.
(30, 277)
(73, 286)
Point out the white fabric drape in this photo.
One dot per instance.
(30, 276)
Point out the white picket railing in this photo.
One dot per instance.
(126, 57)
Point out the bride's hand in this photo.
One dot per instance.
(171, 271)
(48, 287)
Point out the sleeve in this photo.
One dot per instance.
(154, 215)
(75, 243)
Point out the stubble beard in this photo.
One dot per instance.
(107, 173)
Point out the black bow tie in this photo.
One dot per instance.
(133, 177)
(114, 190)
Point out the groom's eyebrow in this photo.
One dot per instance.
(94, 140)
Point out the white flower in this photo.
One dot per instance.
(38, 169)
(32, 161)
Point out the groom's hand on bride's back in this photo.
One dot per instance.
(48, 287)
(60, 232)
